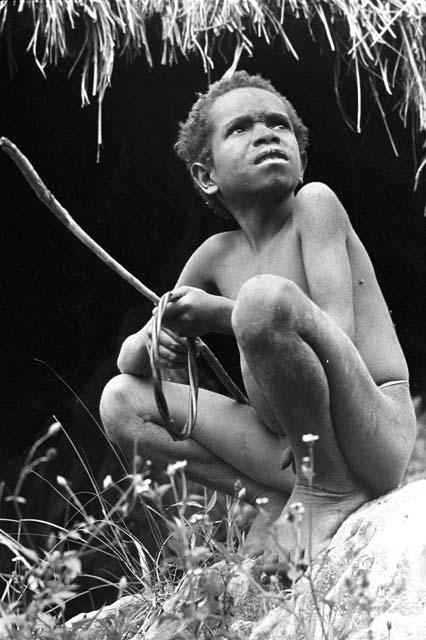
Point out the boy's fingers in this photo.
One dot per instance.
(166, 345)
(171, 359)
(169, 312)
(167, 341)
(179, 341)
(177, 294)
(168, 358)
(171, 340)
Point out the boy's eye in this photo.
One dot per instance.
(281, 125)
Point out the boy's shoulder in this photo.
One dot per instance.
(318, 207)
(204, 263)
(221, 243)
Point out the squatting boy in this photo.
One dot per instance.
(296, 288)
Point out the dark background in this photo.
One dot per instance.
(64, 307)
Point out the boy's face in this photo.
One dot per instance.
(254, 150)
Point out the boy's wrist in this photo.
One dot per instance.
(221, 316)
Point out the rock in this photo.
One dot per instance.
(416, 469)
(129, 612)
(373, 575)
(370, 584)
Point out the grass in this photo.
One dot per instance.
(381, 43)
(191, 584)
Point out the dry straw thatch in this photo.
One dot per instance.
(382, 41)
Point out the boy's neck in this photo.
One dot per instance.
(261, 222)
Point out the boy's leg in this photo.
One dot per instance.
(228, 443)
(316, 382)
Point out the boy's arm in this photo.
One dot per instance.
(195, 307)
(191, 311)
(324, 228)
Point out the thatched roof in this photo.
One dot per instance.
(384, 38)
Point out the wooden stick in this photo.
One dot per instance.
(43, 193)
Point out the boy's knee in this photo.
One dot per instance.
(115, 405)
(265, 304)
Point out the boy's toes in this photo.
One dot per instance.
(274, 567)
(270, 564)
(286, 571)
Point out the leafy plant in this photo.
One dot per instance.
(189, 585)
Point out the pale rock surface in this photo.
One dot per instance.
(385, 540)
(383, 544)
(417, 466)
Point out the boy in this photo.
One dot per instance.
(317, 345)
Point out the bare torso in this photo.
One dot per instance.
(375, 336)
(310, 368)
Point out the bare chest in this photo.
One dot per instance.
(282, 258)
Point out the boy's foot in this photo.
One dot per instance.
(270, 506)
(306, 526)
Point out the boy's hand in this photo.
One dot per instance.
(189, 312)
(173, 350)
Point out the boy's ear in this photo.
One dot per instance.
(303, 163)
(202, 176)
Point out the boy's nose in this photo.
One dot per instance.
(264, 135)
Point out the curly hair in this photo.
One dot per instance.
(194, 134)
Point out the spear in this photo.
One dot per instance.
(43, 193)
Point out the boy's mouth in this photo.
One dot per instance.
(271, 154)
